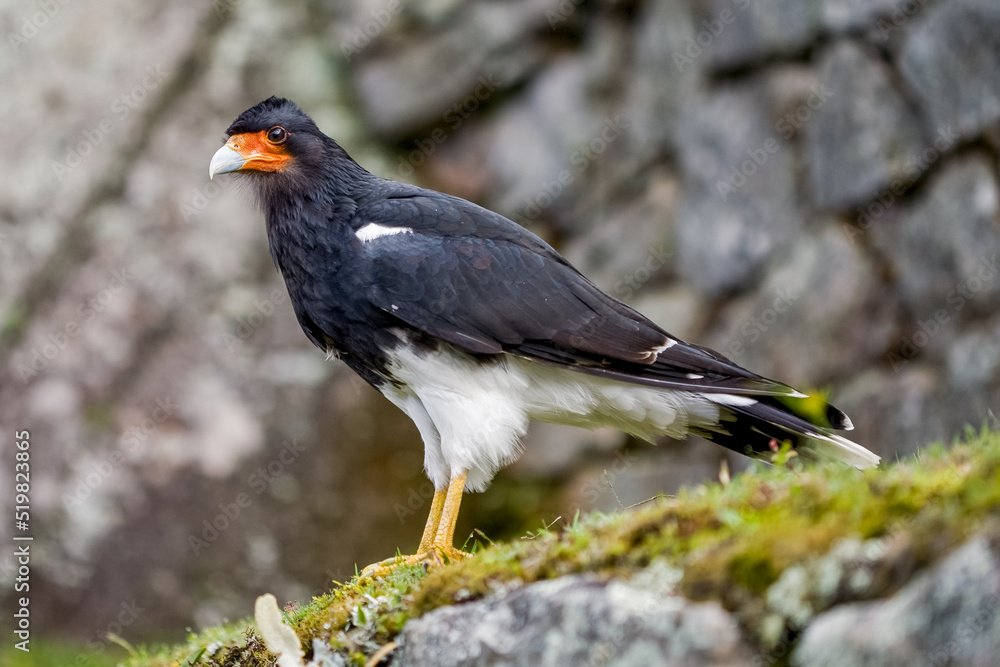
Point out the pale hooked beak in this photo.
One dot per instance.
(225, 161)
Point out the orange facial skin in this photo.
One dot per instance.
(259, 153)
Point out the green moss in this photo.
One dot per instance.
(731, 542)
(233, 645)
(45, 653)
(350, 605)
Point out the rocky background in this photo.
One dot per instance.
(808, 186)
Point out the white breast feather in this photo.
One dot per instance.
(481, 411)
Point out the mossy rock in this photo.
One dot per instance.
(775, 546)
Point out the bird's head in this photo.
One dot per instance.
(274, 138)
(285, 155)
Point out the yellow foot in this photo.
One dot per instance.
(436, 555)
(443, 555)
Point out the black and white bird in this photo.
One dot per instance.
(473, 326)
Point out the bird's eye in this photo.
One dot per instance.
(277, 135)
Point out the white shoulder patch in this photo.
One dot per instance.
(372, 231)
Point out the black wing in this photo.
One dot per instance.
(473, 278)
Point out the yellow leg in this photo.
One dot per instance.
(439, 532)
(443, 541)
(433, 521)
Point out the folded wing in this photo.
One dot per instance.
(475, 279)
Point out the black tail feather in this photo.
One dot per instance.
(758, 428)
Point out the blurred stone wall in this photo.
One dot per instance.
(808, 186)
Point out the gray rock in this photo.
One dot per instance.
(859, 141)
(849, 570)
(668, 66)
(574, 621)
(928, 388)
(547, 134)
(951, 59)
(974, 359)
(843, 15)
(972, 369)
(947, 616)
(946, 249)
(487, 49)
(897, 411)
(820, 312)
(739, 192)
(623, 262)
(677, 308)
(795, 95)
(750, 30)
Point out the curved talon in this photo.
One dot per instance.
(384, 567)
(436, 555)
(451, 553)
